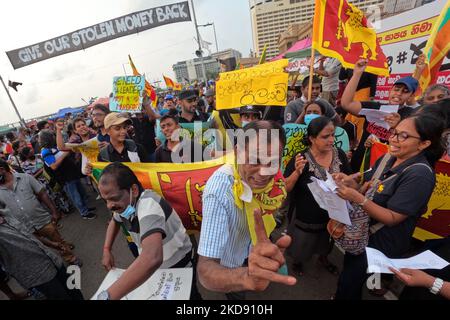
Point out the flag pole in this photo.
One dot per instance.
(199, 43)
(22, 122)
(311, 73)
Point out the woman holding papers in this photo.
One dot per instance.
(401, 195)
(308, 222)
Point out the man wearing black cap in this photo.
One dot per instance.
(189, 114)
(249, 114)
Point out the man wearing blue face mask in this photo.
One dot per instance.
(152, 223)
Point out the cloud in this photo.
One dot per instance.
(55, 83)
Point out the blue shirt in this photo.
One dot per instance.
(102, 138)
(224, 235)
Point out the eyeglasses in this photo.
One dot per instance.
(401, 136)
(95, 115)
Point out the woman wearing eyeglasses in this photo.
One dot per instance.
(401, 195)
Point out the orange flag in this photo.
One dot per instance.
(172, 84)
(342, 31)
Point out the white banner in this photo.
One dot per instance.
(403, 38)
(164, 284)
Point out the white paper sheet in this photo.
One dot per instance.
(379, 263)
(164, 284)
(324, 192)
(378, 116)
(389, 108)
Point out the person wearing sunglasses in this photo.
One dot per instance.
(401, 195)
(188, 100)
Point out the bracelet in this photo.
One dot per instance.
(437, 286)
(106, 248)
(362, 204)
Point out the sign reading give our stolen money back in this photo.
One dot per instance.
(264, 85)
(128, 94)
(84, 38)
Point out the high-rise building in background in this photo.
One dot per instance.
(270, 18)
(191, 70)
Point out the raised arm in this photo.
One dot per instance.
(147, 108)
(347, 100)
(59, 137)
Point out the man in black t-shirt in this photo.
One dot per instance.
(189, 113)
(399, 94)
(172, 150)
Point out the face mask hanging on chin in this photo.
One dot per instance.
(129, 211)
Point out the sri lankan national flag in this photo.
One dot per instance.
(437, 47)
(181, 185)
(172, 84)
(341, 31)
(151, 93)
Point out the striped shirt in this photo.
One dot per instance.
(154, 214)
(224, 233)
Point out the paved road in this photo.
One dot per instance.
(88, 237)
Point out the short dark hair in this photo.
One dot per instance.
(315, 128)
(25, 153)
(315, 79)
(341, 111)
(169, 116)
(76, 120)
(102, 108)
(5, 165)
(41, 124)
(122, 175)
(15, 145)
(47, 139)
(10, 136)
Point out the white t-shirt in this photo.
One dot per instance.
(332, 66)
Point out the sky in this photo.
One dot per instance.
(65, 80)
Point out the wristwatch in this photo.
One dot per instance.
(437, 286)
(104, 295)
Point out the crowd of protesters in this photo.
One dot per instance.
(42, 179)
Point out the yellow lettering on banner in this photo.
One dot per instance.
(264, 85)
(411, 31)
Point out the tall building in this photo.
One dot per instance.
(226, 54)
(191, 70)
(270, 18)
